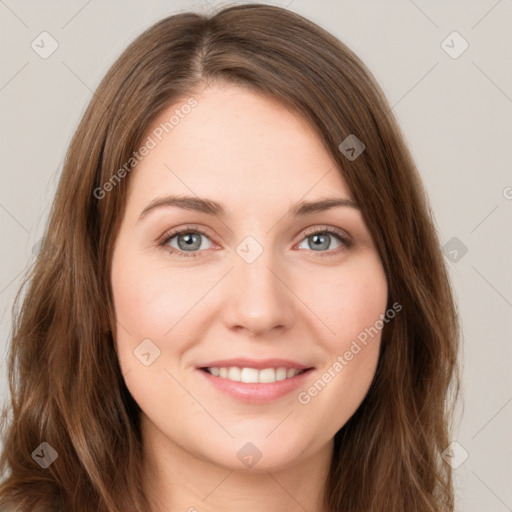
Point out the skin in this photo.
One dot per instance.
(294, 302)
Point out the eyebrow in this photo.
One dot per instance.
(214, 208)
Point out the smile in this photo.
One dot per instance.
(253, 375)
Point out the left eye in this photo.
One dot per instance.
(321, 240)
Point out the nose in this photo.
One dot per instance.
(261, 297)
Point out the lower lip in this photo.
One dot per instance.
(256, 392)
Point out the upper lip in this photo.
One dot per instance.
(253, 363)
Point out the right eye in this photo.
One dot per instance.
(187, 240)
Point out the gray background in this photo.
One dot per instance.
(455, 114)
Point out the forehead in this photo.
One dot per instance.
(236, 145)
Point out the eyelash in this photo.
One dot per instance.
(347, 243)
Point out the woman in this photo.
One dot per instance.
(240, 299)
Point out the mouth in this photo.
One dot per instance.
(253, 381)
(250, 375)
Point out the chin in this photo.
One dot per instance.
(256, 454)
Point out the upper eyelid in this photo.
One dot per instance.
(171, 233)
(320, 228)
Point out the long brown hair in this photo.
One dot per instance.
(66, 386)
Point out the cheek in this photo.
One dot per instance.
(154, 302)
(351, 304)
(350, 300)
(149, 297)
(356, 318)
(135, 299)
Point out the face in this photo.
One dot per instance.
(246, 327)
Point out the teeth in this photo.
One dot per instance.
(267, 375)
(281, 374)
(249, 375)
(252, 375)
(234, 373)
